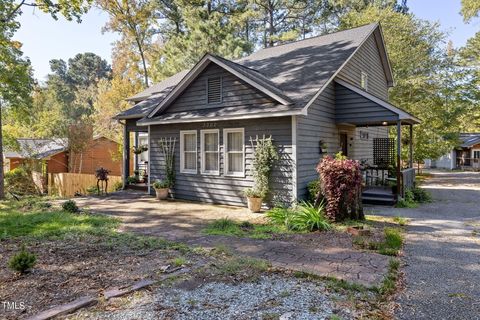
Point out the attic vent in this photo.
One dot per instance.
(214, 90)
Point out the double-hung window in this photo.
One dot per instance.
(209, 141)
(234, 152)
(188, 151)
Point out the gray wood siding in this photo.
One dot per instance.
(235, 92)
(367, 59)
(318, 125)
(219, 188)
(355, 109)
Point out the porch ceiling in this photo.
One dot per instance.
(355, 106)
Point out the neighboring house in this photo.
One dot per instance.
(47, 155)
(314, 97)
(464, 156)
(52, 156)
(100, 152)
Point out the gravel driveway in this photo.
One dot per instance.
(442, 251)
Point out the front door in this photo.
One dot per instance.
(344, 144)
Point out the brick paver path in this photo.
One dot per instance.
(183, 222)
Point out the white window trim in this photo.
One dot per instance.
(202, 140)
(364, 74)
(473, 153)
(182, 152)
(225, 153)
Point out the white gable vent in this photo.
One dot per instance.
(214, 90)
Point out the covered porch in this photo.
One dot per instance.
(386, 177)
(135, 156)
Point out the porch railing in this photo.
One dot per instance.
(408, 180)
(468, 162)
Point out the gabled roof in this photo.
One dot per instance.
(37, 148)
(241, 72)
(398, 114)
(469, 139)
(293, 73)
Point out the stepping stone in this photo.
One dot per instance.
(117, 292)
(64, 309)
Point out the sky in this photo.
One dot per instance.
(44, 38)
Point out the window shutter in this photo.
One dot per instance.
(214, 90)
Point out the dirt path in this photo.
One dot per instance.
(442, 252)
(325, 255)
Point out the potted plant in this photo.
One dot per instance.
(161, 189)
(265, 155)
(254, 199)
(139, 149)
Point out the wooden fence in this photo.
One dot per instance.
(69, 184)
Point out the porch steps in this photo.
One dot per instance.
(378, 196)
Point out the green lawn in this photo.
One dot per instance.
(227, 227)
(35, 218)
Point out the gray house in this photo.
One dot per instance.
(313, 97)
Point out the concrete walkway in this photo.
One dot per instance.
(442, 252)
(184, 221)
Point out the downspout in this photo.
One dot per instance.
(294, 160)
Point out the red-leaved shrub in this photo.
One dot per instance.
(341, 181)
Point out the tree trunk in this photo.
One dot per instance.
(2, 181)
(271, 21)
(144, 63)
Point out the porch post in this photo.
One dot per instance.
(410, 151)
(399, 155)
(126, 155)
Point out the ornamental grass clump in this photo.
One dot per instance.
(341, 185)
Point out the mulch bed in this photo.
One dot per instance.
(69, 269)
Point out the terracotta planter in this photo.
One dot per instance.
(162, 193)
(254, 204)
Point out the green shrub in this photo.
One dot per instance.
(160, 184)
(421, 195)
(132, 180)
(70, 206)
(19, 181)
(92, 190)
(23, 261)
(117, 186)
(304, 217)
(309, 218)
(281, 216)
(223, 224)
(253, 193)
(408, 201)
(393, 242)
(313, 188)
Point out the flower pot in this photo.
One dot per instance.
(162, 193)
(254, 204)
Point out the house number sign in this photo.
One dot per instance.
(210, 125)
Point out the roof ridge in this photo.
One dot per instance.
(310, 38)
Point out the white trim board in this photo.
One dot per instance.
(182, 155)
(222, 118)
(202, 156)
(226, 131)
(294, 160)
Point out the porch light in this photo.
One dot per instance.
(384, 123)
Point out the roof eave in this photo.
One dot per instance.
(149, 121)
